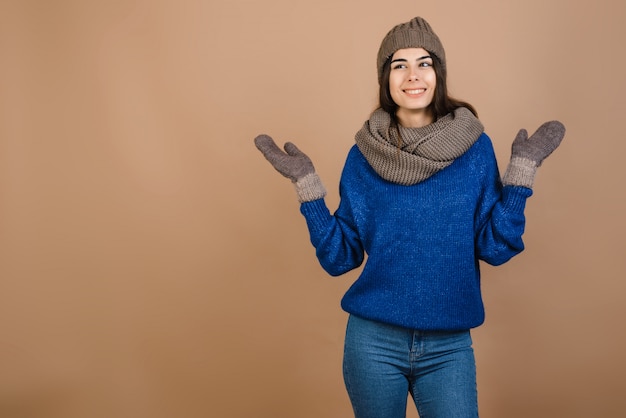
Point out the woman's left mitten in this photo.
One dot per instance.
(527, 153)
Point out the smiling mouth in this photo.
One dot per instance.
(415, 91)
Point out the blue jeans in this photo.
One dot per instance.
(383, 364)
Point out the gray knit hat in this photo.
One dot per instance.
(415, 33)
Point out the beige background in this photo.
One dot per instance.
(152, 264)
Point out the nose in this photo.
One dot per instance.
(413, 75)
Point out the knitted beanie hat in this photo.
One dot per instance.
(415, 33)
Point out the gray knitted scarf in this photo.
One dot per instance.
(408, 156)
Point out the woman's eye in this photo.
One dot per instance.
(399, 66)
(426, 64)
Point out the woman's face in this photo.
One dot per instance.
(412, 83)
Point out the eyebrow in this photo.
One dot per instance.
(405, 60)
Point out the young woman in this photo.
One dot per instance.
(422, 196)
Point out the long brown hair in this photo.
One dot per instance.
(442, 103)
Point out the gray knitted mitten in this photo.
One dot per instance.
(295, 165)
(528, 153)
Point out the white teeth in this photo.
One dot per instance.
(417, 91)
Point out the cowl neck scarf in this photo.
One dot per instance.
(408, 156)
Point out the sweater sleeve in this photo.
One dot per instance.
(499, 236)
(500, 220)
(337, 244)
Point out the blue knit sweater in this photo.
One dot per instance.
(423, 242)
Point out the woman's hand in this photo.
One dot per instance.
(528, 153)
(295, 165)
(291, 163)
